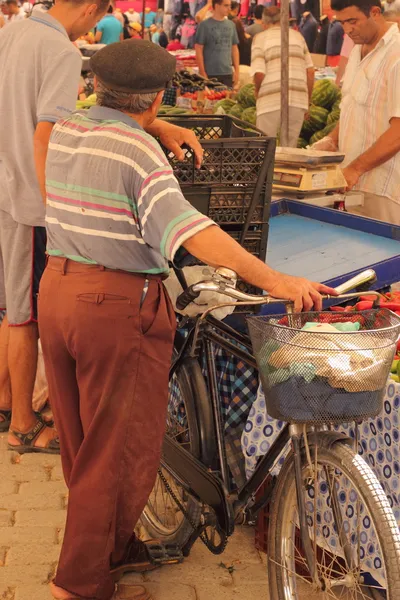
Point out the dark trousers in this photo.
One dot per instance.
(107, 357)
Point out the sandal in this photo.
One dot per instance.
(133, 592)
(6, 422)
(28, 439)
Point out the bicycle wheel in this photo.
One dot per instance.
(162, 517)
(354, 535)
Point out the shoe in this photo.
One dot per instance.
(132, 592)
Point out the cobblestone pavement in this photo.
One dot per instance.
(32, 516)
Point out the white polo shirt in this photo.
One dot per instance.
(371, 98)
(40, 83)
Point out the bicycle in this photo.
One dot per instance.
(193, 496)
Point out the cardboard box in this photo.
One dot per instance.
(319, 60)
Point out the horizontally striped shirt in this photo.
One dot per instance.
(112, 198)
(266, 59)
(371, 98)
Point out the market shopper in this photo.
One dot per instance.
(266, 70)
(109, 30)
(115, 217)
(38, 87)
(257, 26)
(14, 12)
(368, 132)
(216, 46)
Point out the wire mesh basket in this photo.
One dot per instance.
(323, 367)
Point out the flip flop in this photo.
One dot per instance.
(6, 422)
(28, 439)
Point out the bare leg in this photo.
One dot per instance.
(5, 386)
(22, 363)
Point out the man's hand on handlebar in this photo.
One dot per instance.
(304, 293)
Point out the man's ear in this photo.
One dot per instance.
(91, 10)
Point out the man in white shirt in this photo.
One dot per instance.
(133, 16)
(266, 70)
(368, 132)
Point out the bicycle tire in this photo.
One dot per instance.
(340, 456)
(152, 521)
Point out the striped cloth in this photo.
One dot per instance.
(266, 59)
(371, 98)
(112, 198)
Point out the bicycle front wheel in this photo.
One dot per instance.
(354, 535)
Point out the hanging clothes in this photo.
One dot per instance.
(322, 38)
(335, 39)
(309, 29)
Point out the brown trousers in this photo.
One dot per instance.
(107, 358)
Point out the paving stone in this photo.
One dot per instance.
(160, 592)
(33, 553)
(40, 460)
(6, 518)
(7, 487)
(14, 576)
(48, 494)
(191, 571)
(10, 536)
(22, 473)
(250, 591)
(57, 473)
(33, 592)
(39, 518)
(7, 592)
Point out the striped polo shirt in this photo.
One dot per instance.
(266, 59)
(371, 98)
(112, 198)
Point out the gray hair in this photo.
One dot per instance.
(124, 101)
(271, 16)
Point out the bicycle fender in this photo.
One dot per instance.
(328, 439)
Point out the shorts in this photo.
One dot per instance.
(22, 262)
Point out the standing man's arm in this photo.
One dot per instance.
(98, 36)
(310, 82)
(200, 60)
(258, 67)
(57, 100)
(236, 64)
(41, 139)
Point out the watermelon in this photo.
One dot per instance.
(247, 96)
(226, 104)
(236, 111)
(325, 93)
(333, 117)
(250, 115)
(317, 118)
(302, 143)
(318, 135)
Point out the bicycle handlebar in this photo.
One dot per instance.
(224, 281)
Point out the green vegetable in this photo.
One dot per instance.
(317, 118)
(333, 116)
(395, 366)
(236, 111)
(325, 93)
(226, 104)
(250, 115)
(318, 135)
(246, 96)
(302, 143)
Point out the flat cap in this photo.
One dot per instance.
(134, 66)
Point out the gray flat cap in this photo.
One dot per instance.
(134, 66)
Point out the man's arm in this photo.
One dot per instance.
(174, 137)
(98, 36)
(236, 63)
(258, 79)
(200, 60)
(341, 69)
(310, 82)
(216, 248)
(41, 139)
(385, 147)
(202, 13)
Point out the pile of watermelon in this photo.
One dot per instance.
(324, 113)
(244, 107)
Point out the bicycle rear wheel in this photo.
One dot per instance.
(343, 499)
(162, 517)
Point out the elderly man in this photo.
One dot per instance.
(266, 70)
(115, 217)
(368, 132)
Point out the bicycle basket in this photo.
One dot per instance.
(326, 375)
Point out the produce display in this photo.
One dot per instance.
(323, 115)
(194, 81)
(244, 107)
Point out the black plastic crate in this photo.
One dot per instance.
(229, 205)
(234, 152)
